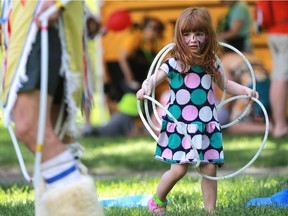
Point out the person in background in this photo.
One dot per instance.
(135, 57)
(237, 70)
(138, 51)
(278, 44)
(65, 187)
(191, 70)
(122, 122)
(234, 27)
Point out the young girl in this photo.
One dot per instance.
(191, 70)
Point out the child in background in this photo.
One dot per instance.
(191, 70)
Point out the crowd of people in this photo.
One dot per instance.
(190, 81)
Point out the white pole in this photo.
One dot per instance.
(43, 91)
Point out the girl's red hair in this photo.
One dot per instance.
(192, 20)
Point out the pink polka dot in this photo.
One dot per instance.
(211, 97)
(192, 80)
(185, 143)
(167, 153)
(190, 113)
(171, 127)
(211, 154)
(210, 127)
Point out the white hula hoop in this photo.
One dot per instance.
(148, 123)
(260, 148)
(196, 155)
(253, 79)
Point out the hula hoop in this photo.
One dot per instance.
(260, 148)
(196, 155)
(253, 79)
(148, 123)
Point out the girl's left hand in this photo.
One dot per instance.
(250, 93)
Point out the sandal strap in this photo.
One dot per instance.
(159, 202)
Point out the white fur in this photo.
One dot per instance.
(77, 199)
(40, 189)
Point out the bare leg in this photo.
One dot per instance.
(169, 179)
(278, 100)
(247, 128)
(26, 111)
(209, 187)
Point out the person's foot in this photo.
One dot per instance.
(280, 132)
(158, 209)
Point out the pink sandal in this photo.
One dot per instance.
(156, 206)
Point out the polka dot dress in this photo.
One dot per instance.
(192, 104)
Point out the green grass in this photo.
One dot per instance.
(125, 166)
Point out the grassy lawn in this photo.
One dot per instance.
(123, 166)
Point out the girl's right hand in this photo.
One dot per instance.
(145, 90)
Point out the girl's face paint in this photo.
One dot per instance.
(194, 40)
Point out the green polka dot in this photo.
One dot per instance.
(201, 157)
(158, 151)
(164, 124)
(170, 161)
(198, 96)
(216, 140)
(197, 68)
(176, 80)
(174, 141)
(175, 111)
(200, 125)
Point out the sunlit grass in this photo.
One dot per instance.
(125, 166)
(184, 199)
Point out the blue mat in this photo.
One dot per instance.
(279, 199)
(126, 201)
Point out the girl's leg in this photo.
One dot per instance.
(169, 179)
(209, 187)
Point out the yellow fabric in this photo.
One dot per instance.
(20, 20)
(23, 34)
(73, 22)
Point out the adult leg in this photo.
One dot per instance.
(25, 113)
(72, 194)
(209, 187)
(278, 98)
(278, 89)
